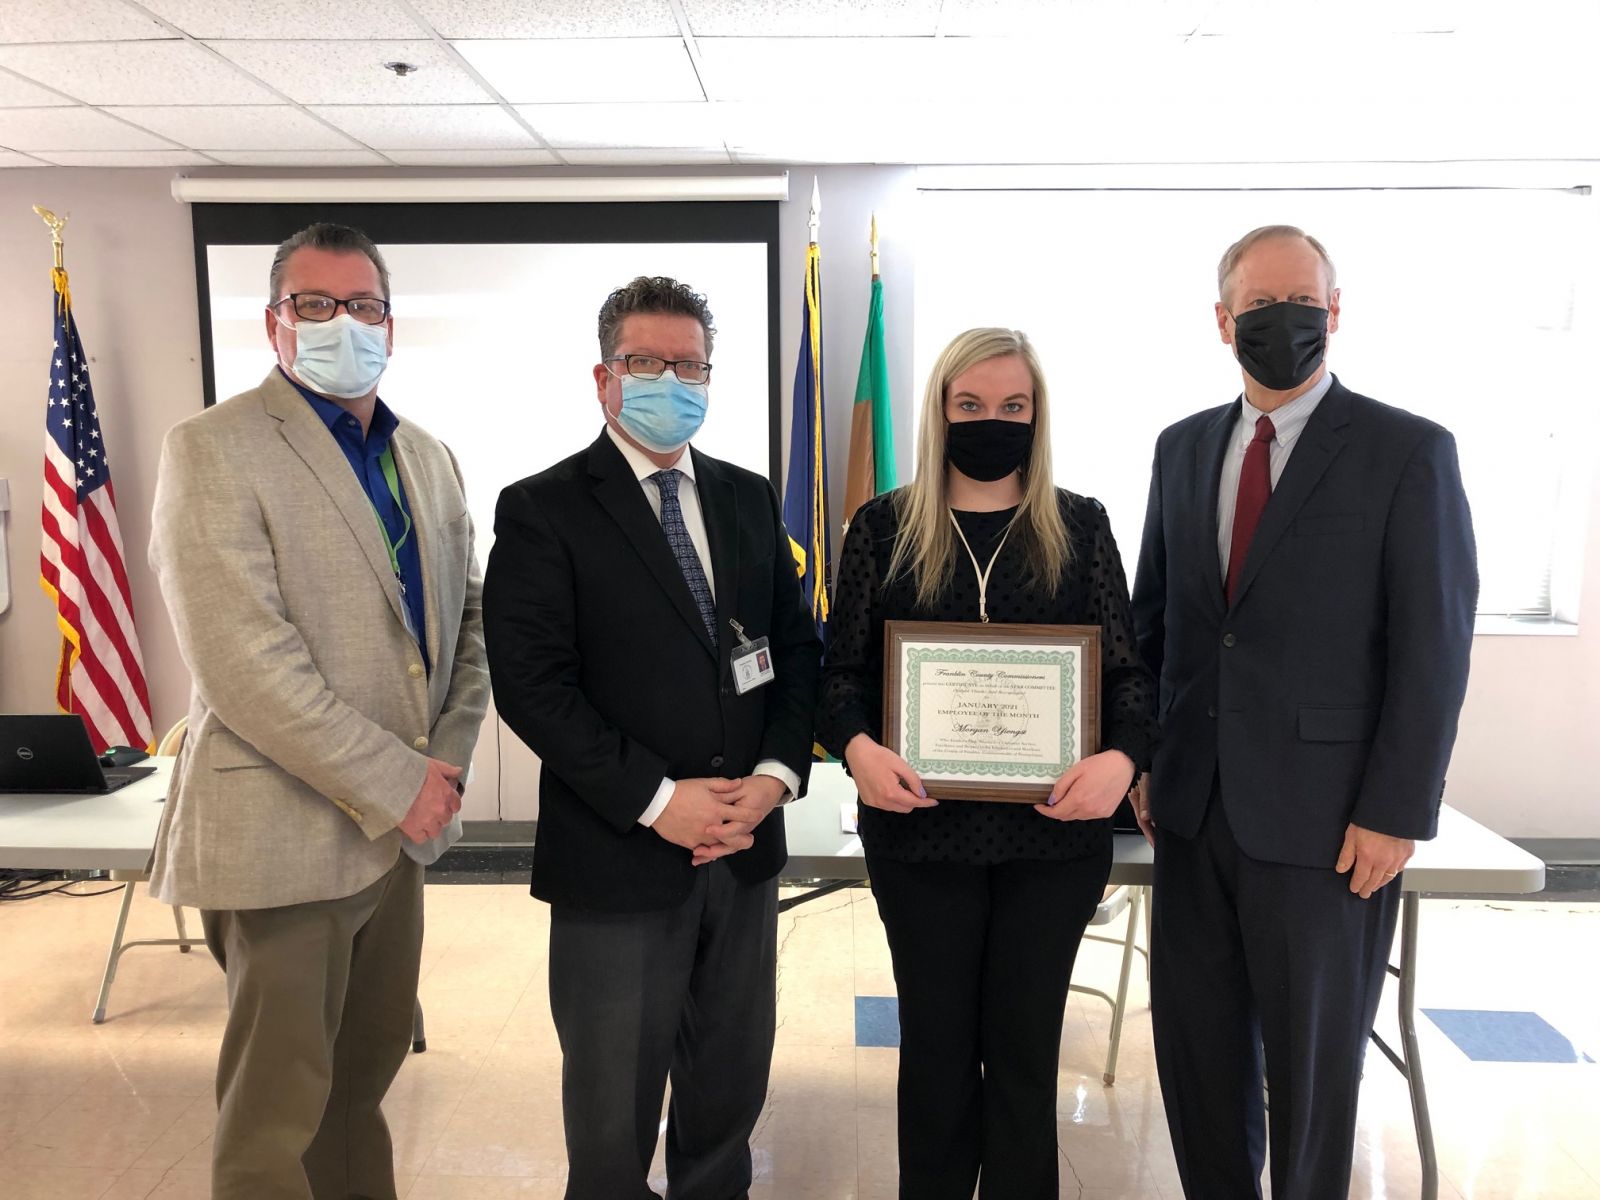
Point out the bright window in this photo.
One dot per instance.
(1474, 307)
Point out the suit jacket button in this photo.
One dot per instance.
(716, 762)
(1228, 639)
(1211, 711)
(421, 743)
(414, 670)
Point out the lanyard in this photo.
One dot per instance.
(386, 461)
(982, 572)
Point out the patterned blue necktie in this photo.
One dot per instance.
(694, 574)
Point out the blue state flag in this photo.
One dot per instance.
(805, 493)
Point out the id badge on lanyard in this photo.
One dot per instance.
(751, 662)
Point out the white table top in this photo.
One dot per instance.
(1465, 857)
(118, 832)
(102, 833)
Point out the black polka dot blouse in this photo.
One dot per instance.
(1093, 591)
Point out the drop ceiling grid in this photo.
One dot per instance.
(279, 82)
(146, 65)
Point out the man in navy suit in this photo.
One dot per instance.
(1305, 594)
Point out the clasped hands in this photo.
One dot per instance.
(714, 818)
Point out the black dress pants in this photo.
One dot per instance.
(688, 992)
(1253, 957)
(982, 959)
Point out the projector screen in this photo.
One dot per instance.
(494, 347)
(495, 339)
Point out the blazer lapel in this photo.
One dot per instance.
(720, 505)
(410, 472)
(1318, 446)
(310, 439)
(619, 492)
(1209, 452)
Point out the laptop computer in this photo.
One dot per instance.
(51, 754)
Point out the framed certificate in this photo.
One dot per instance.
(991, 712)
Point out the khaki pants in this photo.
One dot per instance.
(320, 1004)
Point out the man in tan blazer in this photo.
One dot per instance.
(316, 555)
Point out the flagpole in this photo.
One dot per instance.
(58, 276)
(874, 245)
(816, 209)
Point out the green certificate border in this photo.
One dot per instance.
(1066, 660)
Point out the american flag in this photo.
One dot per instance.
(101, 673)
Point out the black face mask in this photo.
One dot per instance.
(988, 450)
(1281, 345)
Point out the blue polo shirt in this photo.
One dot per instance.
(363, 454)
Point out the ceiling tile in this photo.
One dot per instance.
(919, 132)
(611, 156)
(71, 129)
(693, 123)
(92, 21)
(126, 158)
(287, 18)
(1544, 21)
(813, 18)
(1036, 18)
(764, 68)
(299, 158)
(549, 18)
(11, 158)
(473, 158)
(16, 92)
(136, 73)
(1348, 16)
(239, 127)
(828, 132)
(887, 70)
(325, 72)
(421, 127)
(586, 69)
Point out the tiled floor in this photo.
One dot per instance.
(123, 1111)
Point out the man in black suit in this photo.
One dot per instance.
(623, 585)
(1305, 594)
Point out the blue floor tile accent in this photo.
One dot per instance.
(1487, 1036)
(877, 1021)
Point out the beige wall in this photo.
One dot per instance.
(1524, 763)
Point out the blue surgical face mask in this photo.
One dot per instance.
(662, 414)
(341, 357)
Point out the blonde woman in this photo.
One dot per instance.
(984, 903)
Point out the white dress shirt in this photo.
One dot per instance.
(1288, 423)
(694, 520)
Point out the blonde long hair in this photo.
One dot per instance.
(925, 544)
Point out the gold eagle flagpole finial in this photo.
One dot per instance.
(57, 224)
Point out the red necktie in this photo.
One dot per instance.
(1255, 487)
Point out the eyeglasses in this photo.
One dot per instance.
(648, 366)
(314, 306)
